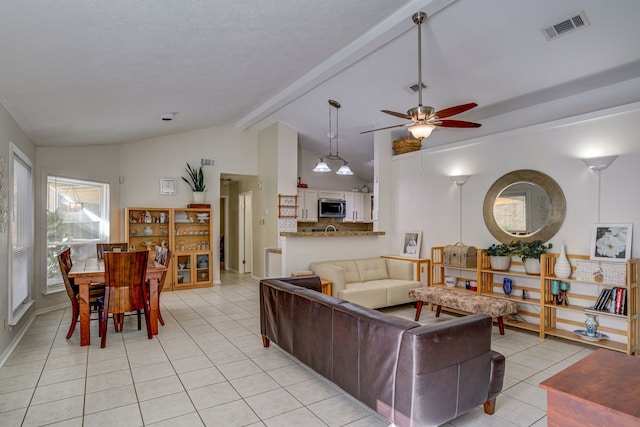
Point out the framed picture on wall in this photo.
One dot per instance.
(168, 186)
(411, 241)
(611, 242)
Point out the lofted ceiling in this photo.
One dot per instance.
(93, 72)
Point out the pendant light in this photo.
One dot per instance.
(322, 166)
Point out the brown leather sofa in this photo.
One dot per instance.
(411, 374)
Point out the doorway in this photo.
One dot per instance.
(245, 238)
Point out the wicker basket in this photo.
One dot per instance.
(406, 145)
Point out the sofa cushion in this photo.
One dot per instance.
(398, 291)
(372, 269)
(350, 270)
(368, 294)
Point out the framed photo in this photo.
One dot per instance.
(168, 186)
(611, 242)
(411, 241)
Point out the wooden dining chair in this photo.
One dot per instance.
(101, 248)
(162, 256)
(95, 290)
(125, 289)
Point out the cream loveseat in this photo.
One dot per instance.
(370, 282)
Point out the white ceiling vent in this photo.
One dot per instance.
(566, 25)
(414, 88)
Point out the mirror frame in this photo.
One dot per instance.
(558, 205)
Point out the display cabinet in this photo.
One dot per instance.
(186, 231)
(439, 271)
(525, 291)
(147, 227)
(541, 310)
(564, 315)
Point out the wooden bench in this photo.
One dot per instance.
(464, 301)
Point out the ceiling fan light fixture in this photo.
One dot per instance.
(321, 166)
(344, 170)
(421, 130)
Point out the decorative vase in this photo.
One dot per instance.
(198, 197)
(591, 324)
(532, 266)
(148, 231)
(501, 263)
(507, 285)
(562, 268)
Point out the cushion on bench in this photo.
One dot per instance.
(465, 301)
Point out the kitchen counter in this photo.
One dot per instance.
(331, 233)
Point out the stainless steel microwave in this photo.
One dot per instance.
(331, 208)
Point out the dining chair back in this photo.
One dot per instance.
(125, 289)
(101, 248)
(162, 256)
(95, 291)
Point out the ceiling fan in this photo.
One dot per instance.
(424, 119)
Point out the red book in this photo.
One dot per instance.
(619, 301)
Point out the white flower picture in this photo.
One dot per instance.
(611, 242)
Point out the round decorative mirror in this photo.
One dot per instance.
(524, 205)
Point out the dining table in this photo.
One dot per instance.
(91, 270)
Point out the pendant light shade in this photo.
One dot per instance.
(344, 170)
(322, 166)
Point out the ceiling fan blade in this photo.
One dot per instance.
(401, 115)
(456, 124)
(388, 127)
(452, 111)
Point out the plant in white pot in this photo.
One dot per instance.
(500, 255)
(530, 253)
(196, 182)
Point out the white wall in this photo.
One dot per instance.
(426, 199)
(10, 132)
(145, 162)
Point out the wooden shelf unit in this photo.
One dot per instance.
(581, 296)
(287, 206)
(190, 241)
(538, 311)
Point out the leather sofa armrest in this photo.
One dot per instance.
(401, 269)
(309, 282)
(497, 374)
(447, 343)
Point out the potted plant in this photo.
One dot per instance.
(196, 182)
(500, 255)
(530, 253)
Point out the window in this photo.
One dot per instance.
(77, 218)
(21, 235)
(510, 212)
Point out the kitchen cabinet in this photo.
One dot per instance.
(353, 207)
(338, 195)
(357, 207)
(307, 205)
(186, 231)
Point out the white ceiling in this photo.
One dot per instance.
(95, 72)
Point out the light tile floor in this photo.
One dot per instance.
(207, 367)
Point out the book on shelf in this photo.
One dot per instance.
(602, 299)
(611, 306)
(623, 309)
